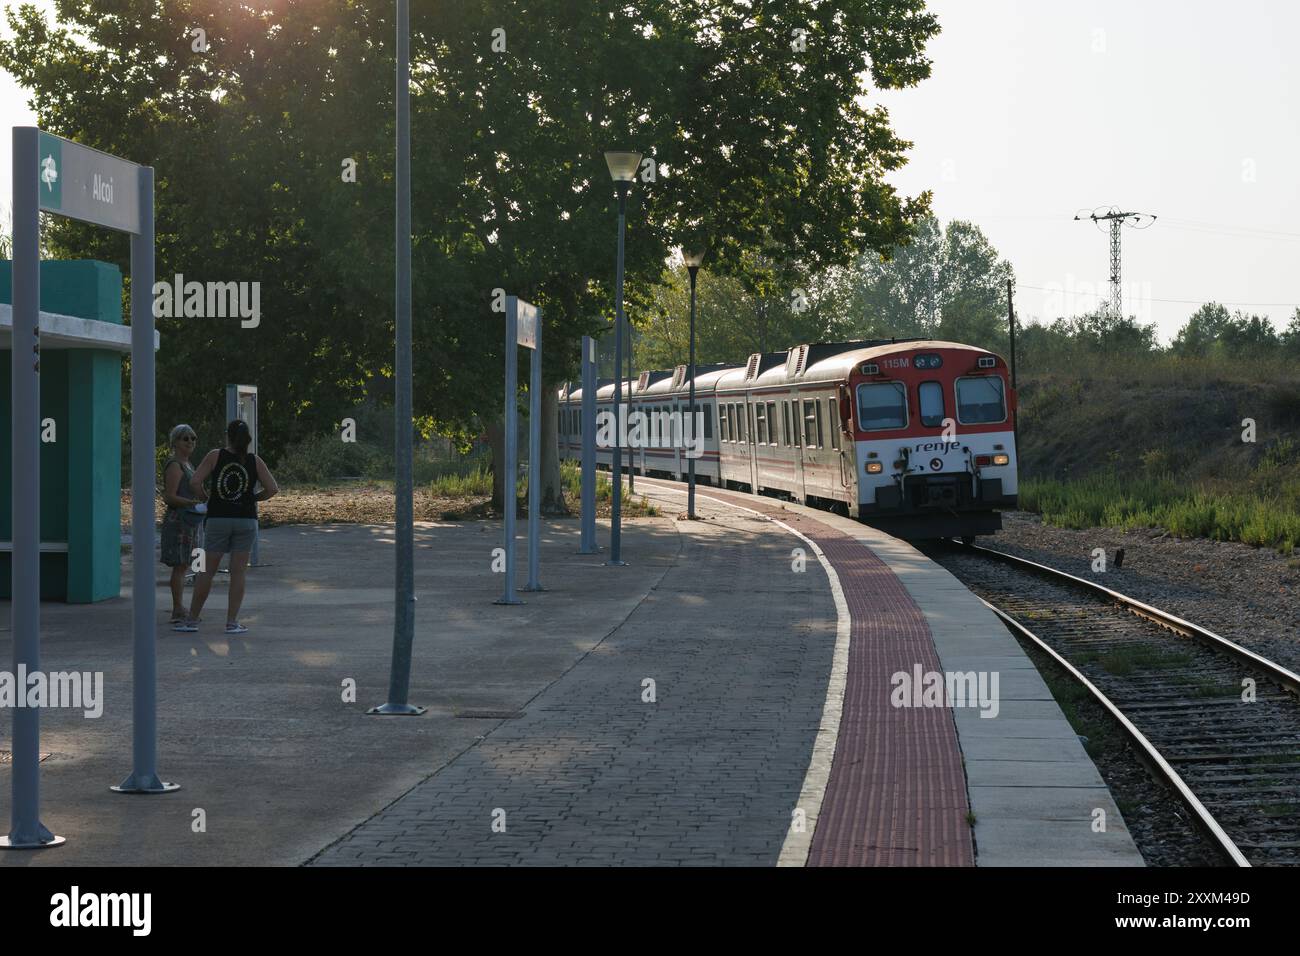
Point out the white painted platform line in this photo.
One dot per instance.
(794, 851)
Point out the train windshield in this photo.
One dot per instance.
(881, 405)
(980, 400)
(931, 395)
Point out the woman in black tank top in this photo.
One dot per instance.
(231, 525)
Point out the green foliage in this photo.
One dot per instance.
(783, 169)
(475, 483)
(1211, 331)
(945, 283)
(1111, 500)
(731, 323)
(322, 458)
(571, 476)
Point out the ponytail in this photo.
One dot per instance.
(239, 436)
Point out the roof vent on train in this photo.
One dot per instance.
(751, 367)
(796, 361)
(679, 375)
(643, 382)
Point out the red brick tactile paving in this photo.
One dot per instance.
(897, 789)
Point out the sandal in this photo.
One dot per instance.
(236, 628)
(186, 626)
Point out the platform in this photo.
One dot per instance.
(1031, 790)
(705, 705)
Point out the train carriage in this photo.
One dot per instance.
(916, 437)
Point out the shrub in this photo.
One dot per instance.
(325, 457)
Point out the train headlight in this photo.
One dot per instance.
(1001, 459)
(874, 468)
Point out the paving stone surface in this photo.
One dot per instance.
(739, 649)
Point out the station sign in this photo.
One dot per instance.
(83, 183)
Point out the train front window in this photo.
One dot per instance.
(881, 405)
(931, 395)
(980, 400)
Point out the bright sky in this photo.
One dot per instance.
(1037, 109)
(1187, 109)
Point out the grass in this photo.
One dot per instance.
(467, 484)
(1125, 660)
(571, 479)
(1251, 515)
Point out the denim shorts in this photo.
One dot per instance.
(224, 535)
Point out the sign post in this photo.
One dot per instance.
(58, 176)
(523, 327)
(588, 430)
(530, 328)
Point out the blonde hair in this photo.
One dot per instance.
(177, 432)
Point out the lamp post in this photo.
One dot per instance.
(623, 165)
(631, 452)
(399, 679)
(692, 260)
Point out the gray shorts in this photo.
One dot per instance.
(224, 535)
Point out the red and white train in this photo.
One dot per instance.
(916, 437)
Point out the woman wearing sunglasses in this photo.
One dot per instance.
(182, 527)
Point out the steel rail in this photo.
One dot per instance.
(1203, 817)
(1287, 678)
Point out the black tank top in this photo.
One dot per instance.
(232, 486)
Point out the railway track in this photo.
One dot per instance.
(1182, 693)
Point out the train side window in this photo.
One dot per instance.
(722, 422)
(821, 438)
(785, 423)
(832, 422)
(881, 405)
(760, 421)
(795, 428)
(741, 409)
(980, 400)
(810, 424)
(708, 420)
(771, 423)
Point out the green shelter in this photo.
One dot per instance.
(83, 341)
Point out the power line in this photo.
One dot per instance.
(1283, 305)
(1232, 232)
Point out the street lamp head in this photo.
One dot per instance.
(693, 260)
(623, 164)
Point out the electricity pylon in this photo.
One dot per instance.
(1118, 219)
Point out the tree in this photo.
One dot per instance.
(1290, 339)
(766, 146)
(1212, 331)
(1202, 330)
(732, 323)
(946, 283)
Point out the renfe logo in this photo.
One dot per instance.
(938, 446)
(103, 909)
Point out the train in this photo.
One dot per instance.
(916, 437)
